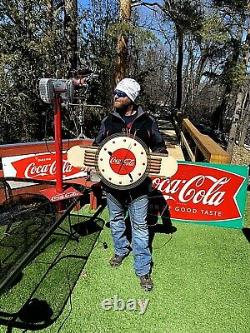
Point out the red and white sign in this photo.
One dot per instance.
(38, 167)
(54, 196)
(122, 161)
(201, 193)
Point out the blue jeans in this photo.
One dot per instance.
(137, 210)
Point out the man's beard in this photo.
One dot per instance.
(123, 108)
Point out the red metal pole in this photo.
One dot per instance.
(58, 142)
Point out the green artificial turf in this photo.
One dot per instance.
(201, 277)
(61, 261)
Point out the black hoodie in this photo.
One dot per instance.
(144, 127)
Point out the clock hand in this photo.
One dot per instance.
(124, 158)
(122, 164)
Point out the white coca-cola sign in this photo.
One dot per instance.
(38, 166)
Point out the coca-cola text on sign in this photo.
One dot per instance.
(122, 161)
(202, 192)
(39, 167)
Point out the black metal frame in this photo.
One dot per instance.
(9, 319)
(30, 254)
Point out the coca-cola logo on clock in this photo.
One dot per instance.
(122, 161)
(201, 193)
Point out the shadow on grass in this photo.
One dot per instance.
(246, 232)
(47, 284)
(159, 212)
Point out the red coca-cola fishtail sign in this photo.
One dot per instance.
(205, 192)
(42, 167)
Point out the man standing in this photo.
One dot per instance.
(129, 118)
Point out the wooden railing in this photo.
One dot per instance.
(200, 147)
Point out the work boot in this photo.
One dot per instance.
(146, 282)
(116, 260)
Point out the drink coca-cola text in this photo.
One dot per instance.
(43, 166)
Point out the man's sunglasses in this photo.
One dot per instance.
(120, 93)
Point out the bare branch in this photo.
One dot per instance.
(136, 3)
(146, 4)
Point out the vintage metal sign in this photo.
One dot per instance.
(207, 193)
(123, 161)
(213, 194)
(38, 167)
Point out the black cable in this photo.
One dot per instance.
(158, 248)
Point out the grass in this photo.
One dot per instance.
(201, 277)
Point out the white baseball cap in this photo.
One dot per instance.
(130, 87)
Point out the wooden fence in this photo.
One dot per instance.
(200, 147)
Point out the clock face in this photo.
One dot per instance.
(122, 161)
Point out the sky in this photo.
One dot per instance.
(85, 3)
(147, 16)
(145, 13)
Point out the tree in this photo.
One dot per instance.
(122, 42)
(98, 47)
(233, 16)
(186, 17)
(71, 35)
(243, 91)
(31, 47)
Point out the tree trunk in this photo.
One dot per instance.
(27, 10)
(200, 68)
(180, 38)
(218, 114)
(239, 102)
(234, 125)
(232, 62)
(122, 42)
(70, 34)
(50, 13)
(246, 116)
(188, 77)
(244, 125)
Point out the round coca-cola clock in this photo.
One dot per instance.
(122, 161)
